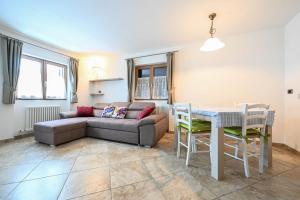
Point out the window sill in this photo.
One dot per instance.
(21, 99)
(151, 99)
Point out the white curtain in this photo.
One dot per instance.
(160, 90)
(142, 90)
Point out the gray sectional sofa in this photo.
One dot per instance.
(146, 132)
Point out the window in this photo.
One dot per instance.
(151, 82)
(41, 79)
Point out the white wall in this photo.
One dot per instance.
(113, 67)
(249, 69)
(253, 67)
(292, 81)
(12, 117)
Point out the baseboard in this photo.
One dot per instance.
(25, 135)
(285, 147)
(6, 140)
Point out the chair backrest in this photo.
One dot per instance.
(183, 114)
(255, 116)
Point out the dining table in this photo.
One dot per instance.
(221, 117)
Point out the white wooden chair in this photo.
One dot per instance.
(253, 128)
(194, 130)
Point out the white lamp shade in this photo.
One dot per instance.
(212, 44)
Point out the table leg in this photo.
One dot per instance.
(268, 148)
(175, 137)
(217, 150)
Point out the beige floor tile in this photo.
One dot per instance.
(234, 179)
(143, 190)
(90, 161)
(236, 167)
(51, 167)
(145, 153)
(249, 193)
(161, 166)
(286, 157)
(182, 185)
(105, 195)
(20, 158)
(278, 168)
(292, 176)
(128, 173)
(119, 154)
(277, 188)
(86, 182)
(13, 174)
(63, 153)
(94, 149)
(39, 189)
(6, 189)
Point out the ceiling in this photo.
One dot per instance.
(131, 26)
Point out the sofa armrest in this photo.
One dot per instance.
(67, 114)
(152, 119)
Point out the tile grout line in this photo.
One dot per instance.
(87, 194)
(68, 176)
(110, 182)
(19, 183)
(252, 184)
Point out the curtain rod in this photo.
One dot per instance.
(155, 54)
(36, 45)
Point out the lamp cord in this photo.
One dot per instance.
(212, 30)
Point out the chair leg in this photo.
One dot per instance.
(261, 155)
(236, 151)
(188, 152)
(194, 145)
(178, 142)
(245, 159)
(253, 146)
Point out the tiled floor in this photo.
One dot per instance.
(97, 169)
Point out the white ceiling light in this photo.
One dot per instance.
(212, 43)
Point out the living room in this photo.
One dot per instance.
(94, 92)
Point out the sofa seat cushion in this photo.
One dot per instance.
(129, 125)
(61, 125)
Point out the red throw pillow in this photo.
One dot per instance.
(146, 112)
(85, 111)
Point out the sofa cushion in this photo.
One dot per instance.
(140, 105)
(61, 125)
(119, 112)
(85, 111)
(98, 112)
(67, 114)
(108, 111)
(136, 108)
(130, 125)
(132, 114)
(146, 112)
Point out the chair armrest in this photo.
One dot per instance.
(67, 114)
(152, 119)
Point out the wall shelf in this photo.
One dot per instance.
(105, 79)
(96, 94)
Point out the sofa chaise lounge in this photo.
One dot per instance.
(145, 132)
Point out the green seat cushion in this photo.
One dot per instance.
(237, 131)
(198, 126)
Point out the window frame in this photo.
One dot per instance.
(151, 67)
(44, 63)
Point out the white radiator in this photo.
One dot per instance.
(39, 114)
